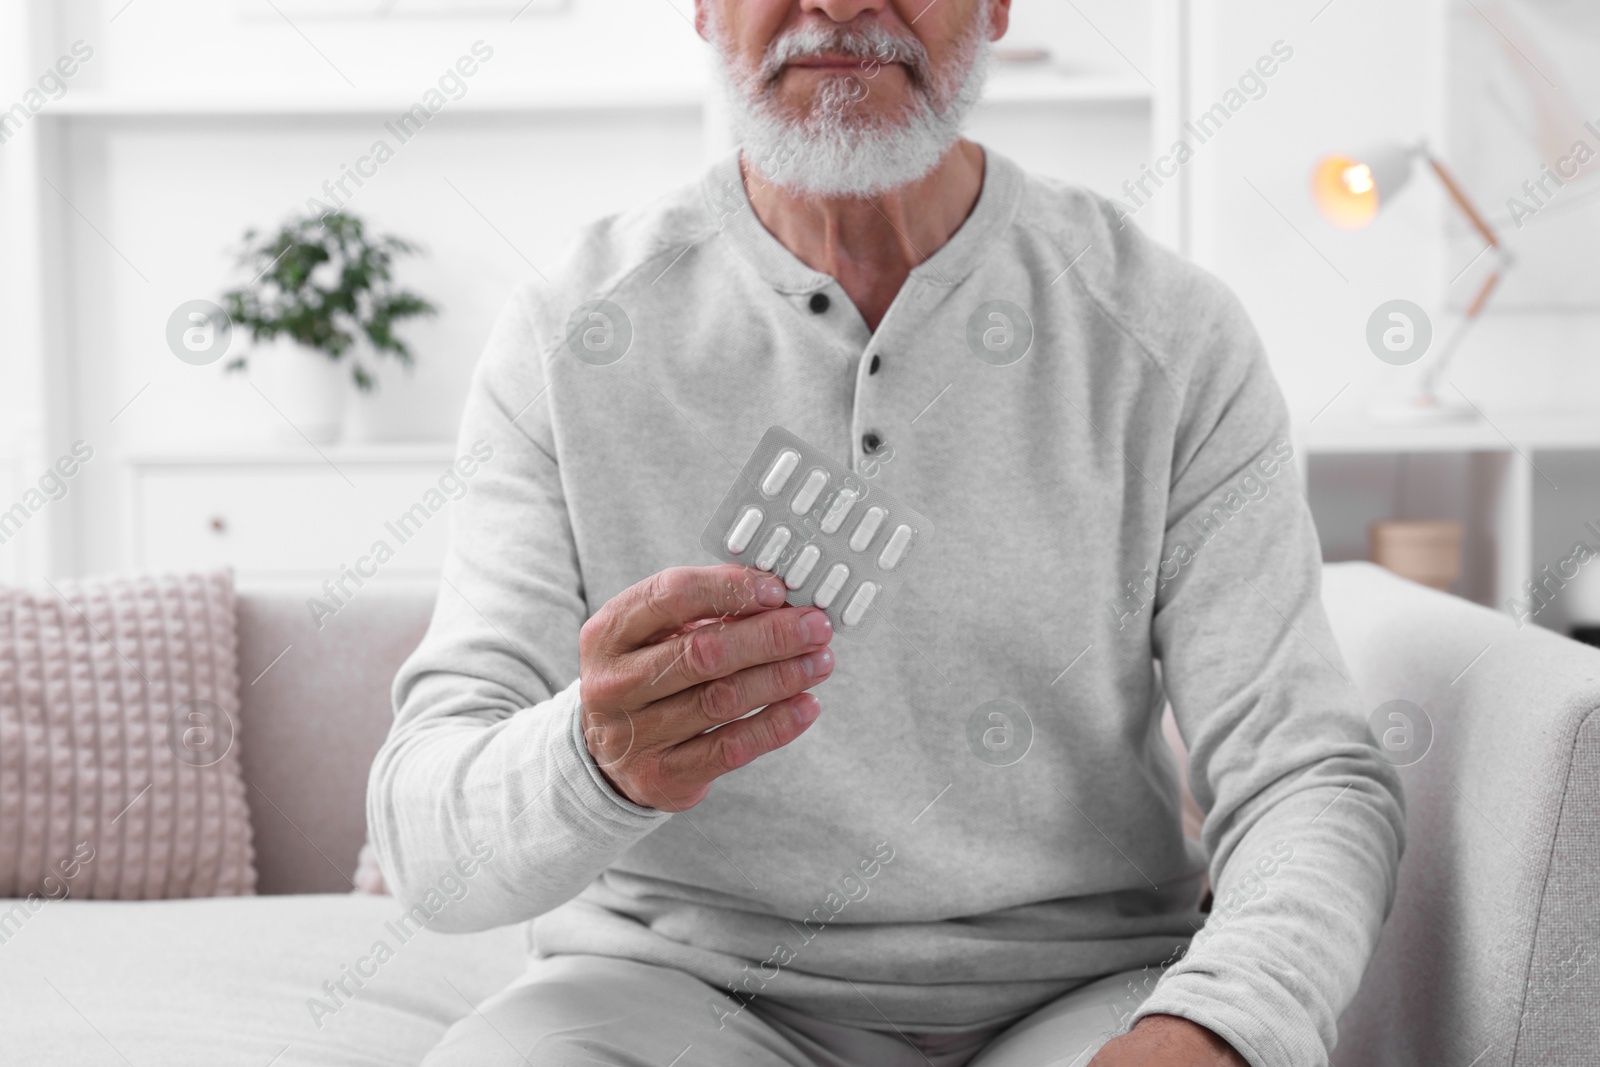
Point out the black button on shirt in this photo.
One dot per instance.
(819, 303)
(870, 442)
(872, 368)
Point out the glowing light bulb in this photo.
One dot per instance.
(1358, 179)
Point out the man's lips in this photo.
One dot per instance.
(827, 63)
(836, 64)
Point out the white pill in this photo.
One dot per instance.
(860, 603)
(800, 569)
(831, 585)
(839, 509)
(867, 529)
(777, 540)
(815, 482)
(895, 550)
(778, 474)
(743, 530)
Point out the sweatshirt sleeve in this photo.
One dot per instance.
(486, 762)
(1304, 821)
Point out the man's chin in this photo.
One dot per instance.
(880, 107)
(851, 126)
(869, 166)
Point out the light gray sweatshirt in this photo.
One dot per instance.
(1117, 492)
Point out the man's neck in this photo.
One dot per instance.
(870, 244)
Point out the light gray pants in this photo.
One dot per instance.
(572, 1010)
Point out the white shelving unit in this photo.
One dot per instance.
(107, 117)
(1502, 464)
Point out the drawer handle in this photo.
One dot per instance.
(219, 525)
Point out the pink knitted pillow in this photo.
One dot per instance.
(119, 760)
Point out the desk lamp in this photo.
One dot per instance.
(1349, 191)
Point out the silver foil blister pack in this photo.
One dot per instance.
(838, 542)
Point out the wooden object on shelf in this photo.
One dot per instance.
(1426, 551)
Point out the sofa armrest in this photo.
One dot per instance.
(1491, 955)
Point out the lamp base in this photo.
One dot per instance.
(1423, 409)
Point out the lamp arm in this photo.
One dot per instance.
(1462, 201)
(1458, 196)
(1435, 372)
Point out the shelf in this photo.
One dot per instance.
(1022, 85)
(1025, 85)
(1511, 431)
(1501, 432)
(301, 454)
(387, 105)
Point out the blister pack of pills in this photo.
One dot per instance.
(838, 542)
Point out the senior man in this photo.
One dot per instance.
(965, 846)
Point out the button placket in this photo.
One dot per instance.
(870, 440)
(872, 443)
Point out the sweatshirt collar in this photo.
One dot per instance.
(731, 210)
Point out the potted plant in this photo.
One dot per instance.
(322, 300)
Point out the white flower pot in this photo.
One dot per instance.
(363, 418)
(309, 390)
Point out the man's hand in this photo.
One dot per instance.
(688, 650)
(1167, 1041)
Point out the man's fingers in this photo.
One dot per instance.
(710, 652)
(711, 704)
(665, 601)
(730, 747)
(673, 666)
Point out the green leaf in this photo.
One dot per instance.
(287, 297)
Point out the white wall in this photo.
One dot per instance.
(23, 400)
(521, 174)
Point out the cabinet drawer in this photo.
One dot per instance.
(290, 521)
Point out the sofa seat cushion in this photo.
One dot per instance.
(234, 981)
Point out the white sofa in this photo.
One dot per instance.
(1491, 957)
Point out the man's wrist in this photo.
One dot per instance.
(1168, 1041)
(1197, 1040)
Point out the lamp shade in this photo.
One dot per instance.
(1351, 190)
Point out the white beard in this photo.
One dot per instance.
(837, 150)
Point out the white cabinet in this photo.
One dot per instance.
(297, 517)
